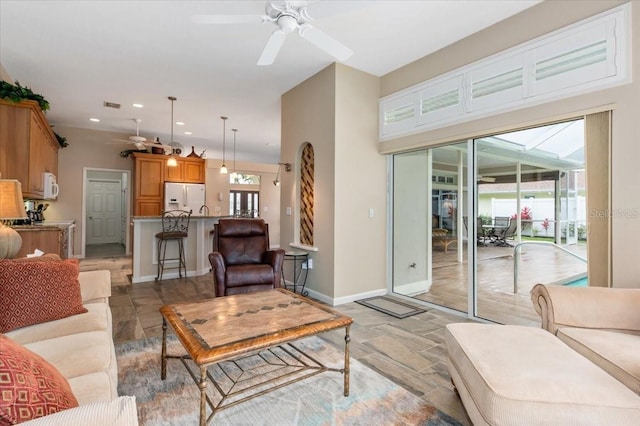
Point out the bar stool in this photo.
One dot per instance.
(175, 227)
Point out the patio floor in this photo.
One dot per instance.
(496, 299)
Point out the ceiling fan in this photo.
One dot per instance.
(289, 16)
(141, 143)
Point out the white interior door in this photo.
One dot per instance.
(104, 213)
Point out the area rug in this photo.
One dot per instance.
(390, 306)
(317, 400)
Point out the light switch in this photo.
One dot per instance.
(371, 212)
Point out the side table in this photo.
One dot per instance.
(299, 259)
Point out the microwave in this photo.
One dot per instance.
(51, 189)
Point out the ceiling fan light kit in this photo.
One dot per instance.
(288, 16)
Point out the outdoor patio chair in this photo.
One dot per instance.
(481, 233)
(504, 234)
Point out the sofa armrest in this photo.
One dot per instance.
(95, 286)
(121, 411)
(587, 307)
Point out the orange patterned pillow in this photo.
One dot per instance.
(30, 387)
(35, 292)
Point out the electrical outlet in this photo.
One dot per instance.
(288, 210)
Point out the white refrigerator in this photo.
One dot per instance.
(184, 196)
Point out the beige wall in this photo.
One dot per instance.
(4, 75)
(625, 100)
(336, 111)
(308, 115)
(87, 148)
(360, 185)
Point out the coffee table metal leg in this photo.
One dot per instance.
(347, 339)
(203, 396)
(163, 371)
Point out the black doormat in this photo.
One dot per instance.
(390, 306)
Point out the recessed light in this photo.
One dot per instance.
(179, 123)
(95, 120)
(188, 133)
(138, 106)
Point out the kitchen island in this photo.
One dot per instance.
(197, 247)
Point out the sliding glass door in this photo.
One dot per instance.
(430, 235)
(475, 202)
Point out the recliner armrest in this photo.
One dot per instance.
(275, 258)
(587, 307)
(217, 265)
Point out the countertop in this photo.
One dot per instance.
(36, 227)
(47, 225)
(191, 218)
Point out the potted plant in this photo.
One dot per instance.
(17, 93)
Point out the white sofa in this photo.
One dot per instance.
(81, 347)
(581, 368)
(601, 324)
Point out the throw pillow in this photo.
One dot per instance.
(30, 387)
(36, 292)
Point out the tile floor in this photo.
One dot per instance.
(409, 351)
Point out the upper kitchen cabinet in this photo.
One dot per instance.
(148, 178)
(150, 172)
(28, 146)
(188, 170)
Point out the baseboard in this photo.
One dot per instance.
(344, 299)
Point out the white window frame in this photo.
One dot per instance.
(610, 29)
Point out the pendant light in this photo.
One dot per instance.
(234, 175)
(172, 162)
(223, 169)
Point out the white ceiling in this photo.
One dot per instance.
(78, 54)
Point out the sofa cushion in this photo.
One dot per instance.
(119, 411)
(98, 386)
(616, 353)
(36, 292)
(77, 354)
(513, 375)
(30, 387)
(97, 318)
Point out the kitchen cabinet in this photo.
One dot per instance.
(188, 170)
(49, 239)
(148, 178)
(150, 172)
(28, 146)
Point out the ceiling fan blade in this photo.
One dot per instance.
(228, 19)
(325, 42)
(272, 47)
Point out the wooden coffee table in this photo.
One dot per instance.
(227, 328)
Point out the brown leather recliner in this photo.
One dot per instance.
(241, 260)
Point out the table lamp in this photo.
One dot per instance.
(11, 208)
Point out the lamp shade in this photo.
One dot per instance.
(11, 207)
(11, 202)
